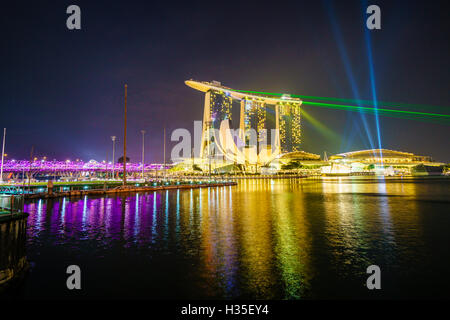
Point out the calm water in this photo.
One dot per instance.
(269, 239)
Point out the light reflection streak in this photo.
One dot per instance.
(63, 213)
(136, 218)
(108, 215)
(255, 242)
(39, 211)
(127, 220)
(291, 247)
(154, 217)
(84, 216)
(166, 224)
(177, 224)
(191, 209)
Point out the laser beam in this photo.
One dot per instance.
(406, 114)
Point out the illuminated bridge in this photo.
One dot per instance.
(13, 169)
(256, 112)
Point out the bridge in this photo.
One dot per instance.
(23, 169)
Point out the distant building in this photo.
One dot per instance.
(387, 162)
(300, 155)
(382, 156)
(298, 159)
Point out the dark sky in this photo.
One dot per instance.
(62, 90)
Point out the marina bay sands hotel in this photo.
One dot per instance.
(274, 120)
(261, 115)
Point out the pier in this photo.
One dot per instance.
(82, 188)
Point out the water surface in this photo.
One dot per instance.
(265, 239)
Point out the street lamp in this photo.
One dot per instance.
(143, 133)
(113, 138)
(209, 124)
(125, 140)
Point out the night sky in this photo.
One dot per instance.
(62, 90)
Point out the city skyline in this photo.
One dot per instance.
(74, 95)
(224, 158)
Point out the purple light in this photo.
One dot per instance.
(67, 165)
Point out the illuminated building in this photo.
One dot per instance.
(15, 169)
(387, 162)
(300, 156)
(255, 110)
(382, 156)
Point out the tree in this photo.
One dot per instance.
(292, 165)
(120, 160)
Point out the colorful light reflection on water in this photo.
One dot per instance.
(269, 239)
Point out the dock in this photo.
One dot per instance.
(79, 190)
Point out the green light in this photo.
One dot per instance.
(339, 106)
(405, 114)
(356, 101)
(323, 129)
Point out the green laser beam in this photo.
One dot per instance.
(373, 111)
(356, 101)
(340, 106)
